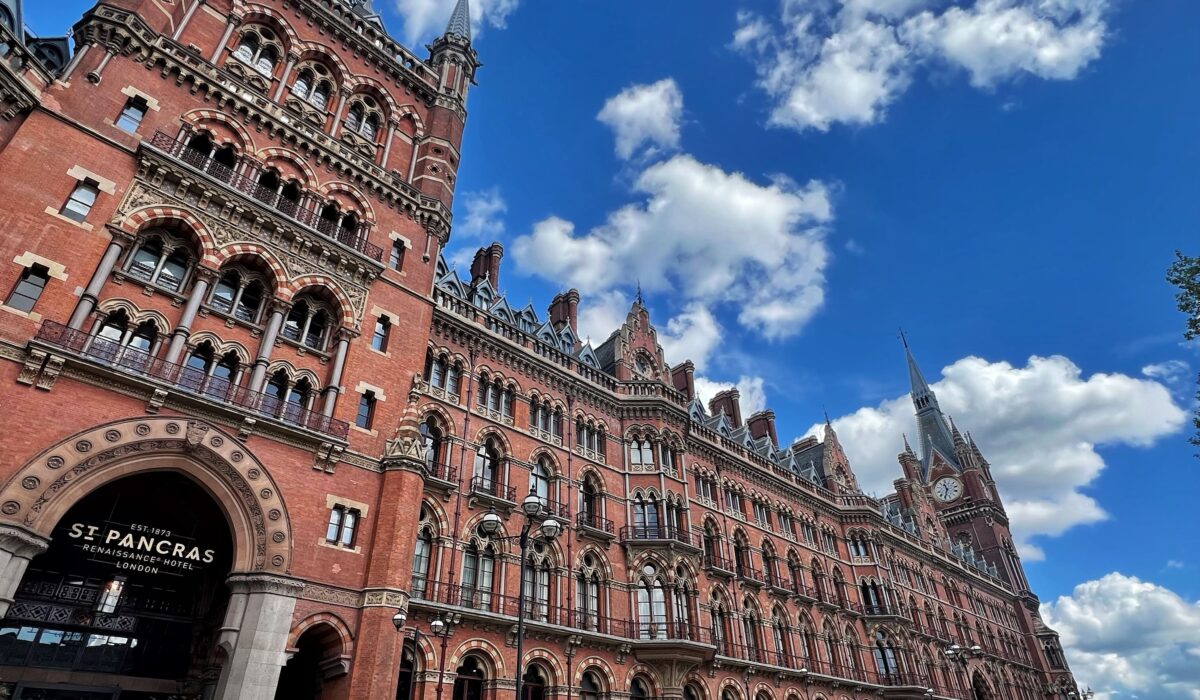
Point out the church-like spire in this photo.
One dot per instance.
(935, 434)
(922, 396)
(460, 20)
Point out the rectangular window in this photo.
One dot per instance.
(383, 329)
(366, 411)
(29, 288)
(396, 259)
(131, 117)
(79, 204)
(343, 524)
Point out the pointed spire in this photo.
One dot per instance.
(922, 396)
(957, 436)
(908, 448)
(460, 20)
(640, 300)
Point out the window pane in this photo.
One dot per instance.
(29, 288)
(335, 524)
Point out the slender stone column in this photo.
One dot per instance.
(274, 323)
(87, 302)
(234, 21)
(334, 386)
(387, 145)
(287, 72)
(343, 95)
(254, 635)
(17, 548)
(186, 18)
(183, 329)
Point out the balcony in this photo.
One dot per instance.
(779, 584)
(719, 565)
(882, 611)
(442, 478)
(493, 492)
(659, 535)
(305, 213)
(750, 575)
(187, 381)
(487, 603)
(595, 526)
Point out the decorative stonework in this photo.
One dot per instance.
(41, 492)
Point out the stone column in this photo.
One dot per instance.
(387, 145)
(274, 323)
(187, 17)
(234, 21)
(255, 634)
(343, 95)
(334, 385)
(183, 329)
(87, 301)
(287, 72)
(17, 547)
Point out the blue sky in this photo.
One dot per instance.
(1003, 178)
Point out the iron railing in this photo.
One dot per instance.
(595, 522)
(304, 212)
(188, 379)
(492, 487)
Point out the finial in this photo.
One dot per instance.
(907, 448)
(903, 338)
(640, 300)
(826, 412)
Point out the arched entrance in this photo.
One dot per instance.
(980, 687)
(318, 667)
(147, 558)
(468, 685)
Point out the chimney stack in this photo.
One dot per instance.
(727, 402)
(805, 443)
(487, 264)
(762, 424)
(682, 376)
(564, 310)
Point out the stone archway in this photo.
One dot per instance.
(981, 688)
(254, 635)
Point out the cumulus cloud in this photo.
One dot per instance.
(691, 335)
(752, 390)
(483, 214)
(1130, 638)
(601, 314)
(645, 119)
(1041, 427)
(706, 235)
(829, 63)
(425, 19)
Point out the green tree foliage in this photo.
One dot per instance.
(1184, 273)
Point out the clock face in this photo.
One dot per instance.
(947, 489)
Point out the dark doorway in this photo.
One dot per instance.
(315, 668)
(132, 585)
(469, 684)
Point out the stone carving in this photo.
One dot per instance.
(50, 373)
(30, 483)
(32, 367)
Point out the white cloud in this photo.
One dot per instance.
(601, 314)
(1170, 371)
(692, 335)
(706, 235)
(1175, 564)
(752, 391)
(645, 119)
(1040, 427)
(483, 215)
(829, 63)
(1130, 638)
(425, 19)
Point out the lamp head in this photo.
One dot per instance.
(532, 505)
(976, 650)
(399, 619)
(551, 528)
(491, 524)
(437, 626)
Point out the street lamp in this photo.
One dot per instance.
(436, 626)
(1082, 694)
(961, 655)
(491, 525)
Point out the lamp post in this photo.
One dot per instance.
(1081, 694)
(436, 626)
(961, 655)
(491, 525)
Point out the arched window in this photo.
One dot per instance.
(487, 464)
(432, 437)
(741, 555)
(536, 578)
(691, 693)
(161, 259)
(589, 501)
(750, 631)
(645, 516)
(308, 323)
(720, 630)
(589, 687)
(769, 563)
(422, 554)
(830, 639)
(781, 638)
(796, 570)
(539, 481)
(303, 84)
(354, 117)
(885, 657)
(258, 49)
(468, 682)
(639, 689)
(587, 594)
(682, 606)
(479, 567)
(533, 683)
(712, 546)
(651, 605)
(850, 651)
(408, 672)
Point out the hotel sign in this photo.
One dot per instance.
(140, 548)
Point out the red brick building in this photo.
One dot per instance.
(253, 416)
